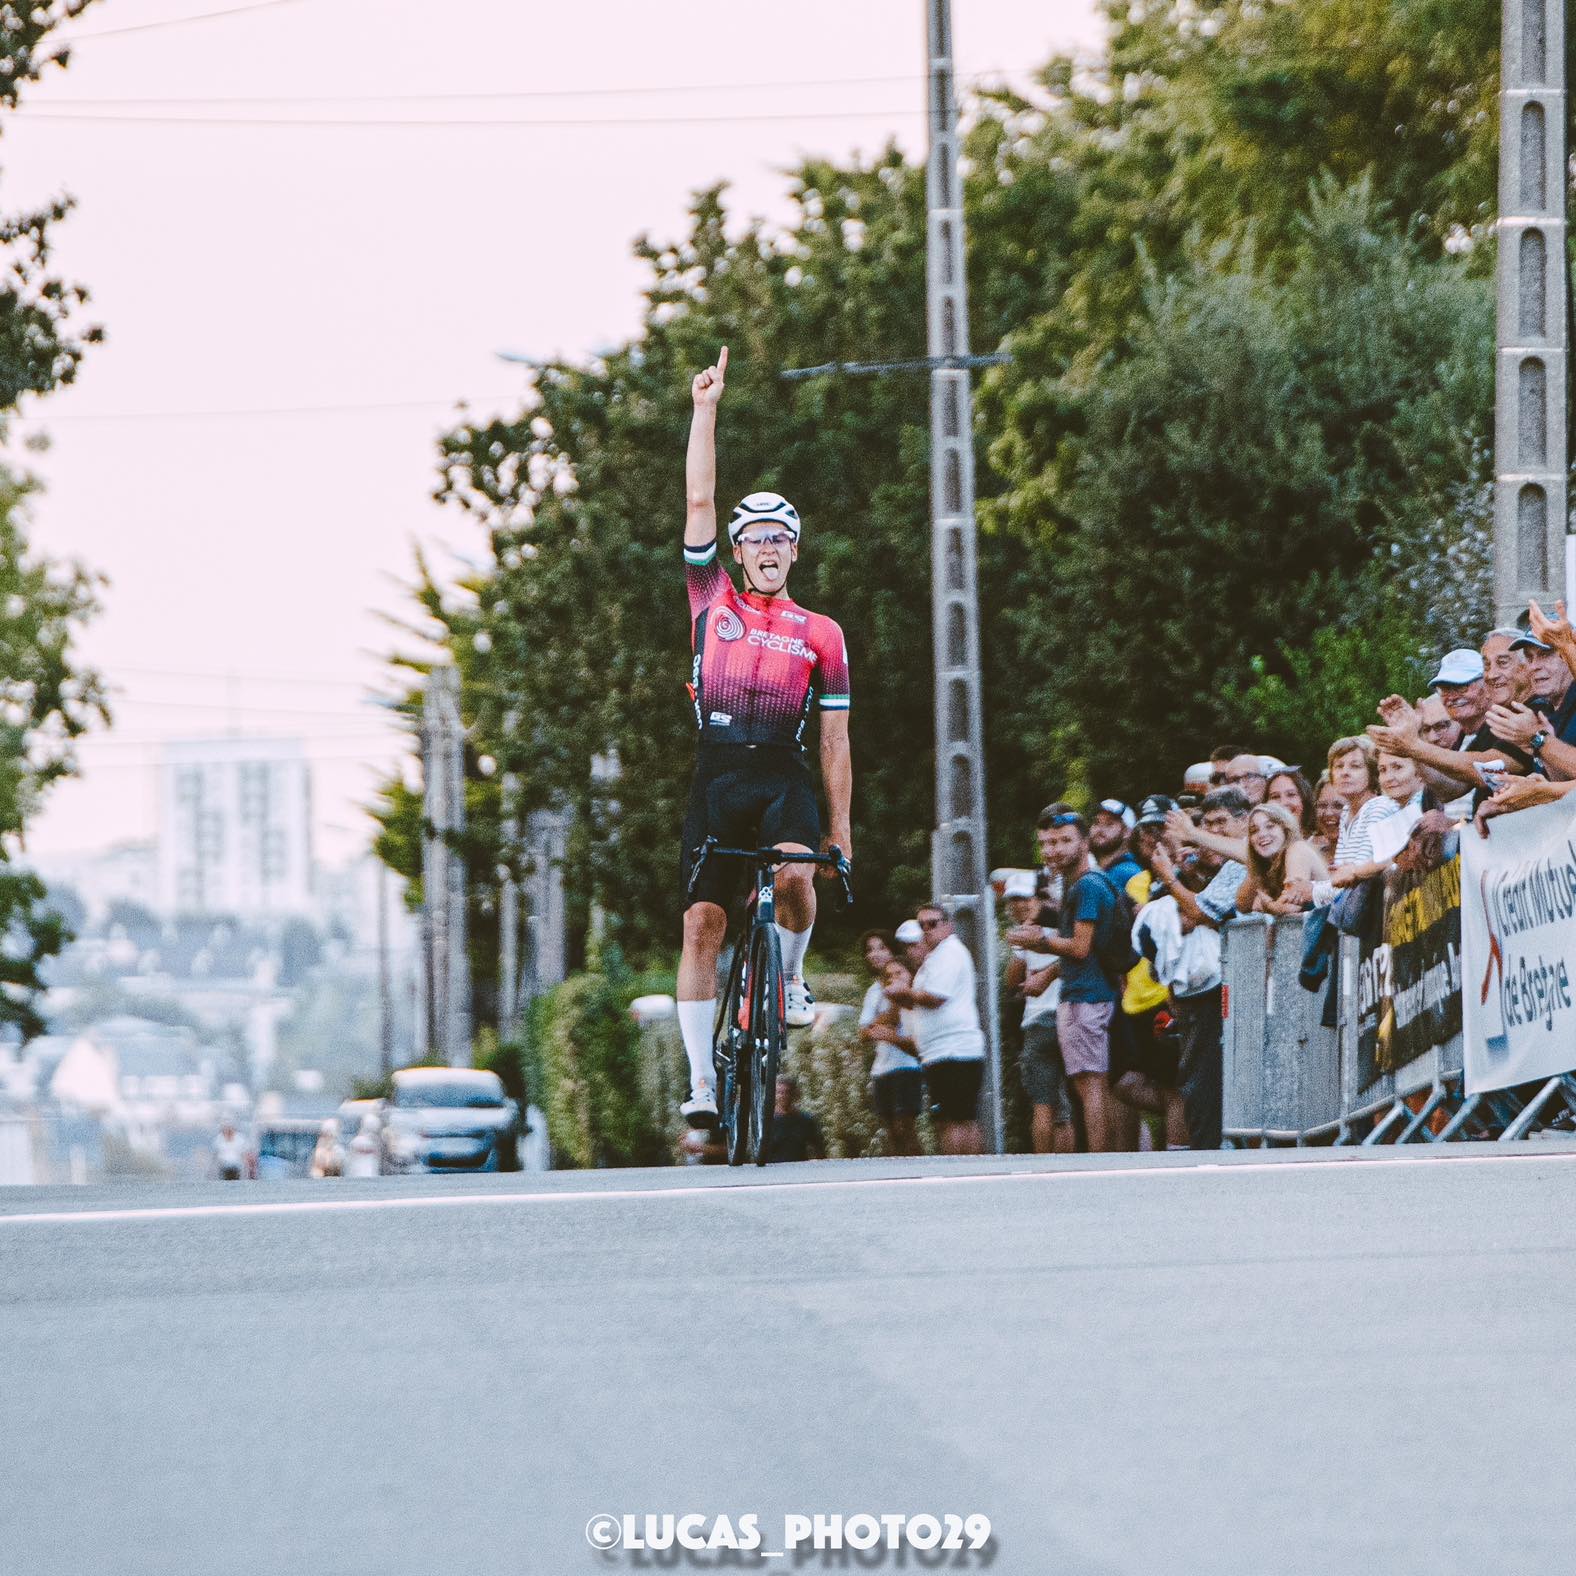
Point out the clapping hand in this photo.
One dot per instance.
(1400, 714)
(1391, 740)
(1556, 632)
(1180, 824)
(1515, 723)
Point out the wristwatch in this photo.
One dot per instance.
(1536, 743)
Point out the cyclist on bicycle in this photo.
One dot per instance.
(760, 660)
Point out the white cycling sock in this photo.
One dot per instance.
(696, 1021)
(795, 943)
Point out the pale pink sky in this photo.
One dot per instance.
(369, 274)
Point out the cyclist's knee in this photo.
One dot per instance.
(705, 924)
(795, 877)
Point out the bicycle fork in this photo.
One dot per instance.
(765, 914)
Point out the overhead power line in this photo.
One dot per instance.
(470, 96)
(449, 402)
(225, 676)
(341, 123)
(175, 21)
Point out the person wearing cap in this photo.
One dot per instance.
(1459, 686)
(1036, 976)
(1546, 726)
(1148, 1083)
(894, 1073)
(1197, 781)
(1109, 829)
(1090, 911)
(1048, 880)
(911, 939)
(947, 1032)
(1507, 681)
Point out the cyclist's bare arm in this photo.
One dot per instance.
(700, 462)
(837, 773)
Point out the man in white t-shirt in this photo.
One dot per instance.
(1036, 976)
(229, 1153)
(947, 1032)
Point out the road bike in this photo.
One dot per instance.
(752, 1025)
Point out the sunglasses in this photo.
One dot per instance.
(1066, 818)
(766, 539)
(1235, 779)
(930, 924)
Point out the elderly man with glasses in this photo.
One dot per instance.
(947, 1032)
(1249, 775)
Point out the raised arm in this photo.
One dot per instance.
(700, 461)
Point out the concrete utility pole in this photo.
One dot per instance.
(385, 982)
(962, 865)
(959, 860)
(1531, 540)
(447, 962)
(548, 839)
(509, 900)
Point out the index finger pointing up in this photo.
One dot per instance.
(722, 362)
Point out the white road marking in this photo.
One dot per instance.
(83, 1217)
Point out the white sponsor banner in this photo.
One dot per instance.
(1518, 946)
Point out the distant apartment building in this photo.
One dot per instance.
(235, 828)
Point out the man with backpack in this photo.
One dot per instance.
(1204, 900)
(1094, 942)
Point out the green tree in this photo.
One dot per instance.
(1248, 470)
(1249, 326)
(46, 701)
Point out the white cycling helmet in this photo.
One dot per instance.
(764, 506)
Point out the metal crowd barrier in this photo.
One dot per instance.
(1282, 1080)
(1288, 1078)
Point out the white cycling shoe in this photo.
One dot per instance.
(700, 1110)
(800, 1004)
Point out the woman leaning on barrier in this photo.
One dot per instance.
(1282, 864)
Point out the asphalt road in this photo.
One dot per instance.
(1291, 1363)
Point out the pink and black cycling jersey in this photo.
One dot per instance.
(760, 662)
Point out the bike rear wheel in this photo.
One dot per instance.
(731, 1057)
(768, 1035)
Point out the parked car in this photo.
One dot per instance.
(450, 1119)
(284, 1146)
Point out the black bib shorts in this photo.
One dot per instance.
(746, 796)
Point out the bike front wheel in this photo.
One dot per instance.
(768, 1036)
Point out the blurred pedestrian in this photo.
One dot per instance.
(328, 1158)
(366, 1148)
(229, 1152)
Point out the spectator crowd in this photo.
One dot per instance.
(1114, 941)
